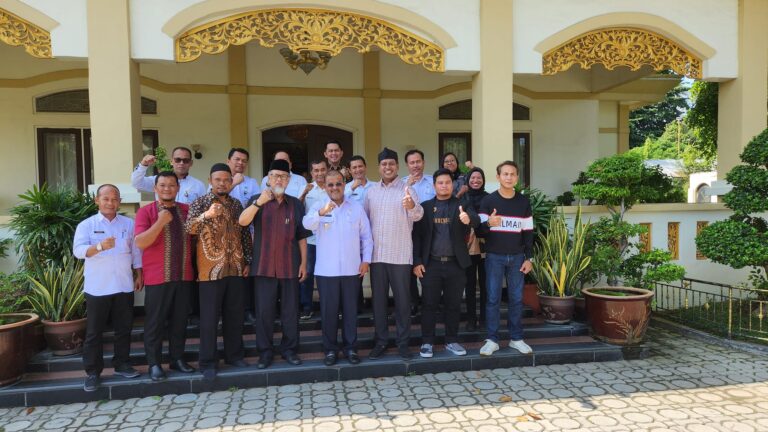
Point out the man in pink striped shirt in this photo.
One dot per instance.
(392, 208)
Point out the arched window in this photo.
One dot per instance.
(76, 101)
(462, 110)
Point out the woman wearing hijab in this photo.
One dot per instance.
(476, 271)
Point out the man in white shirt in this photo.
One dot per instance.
(243, 186)
(356, 189)
(181, 159)
(344, 246)
(425, 189)
(105, 241)
(296, 184)
(314, 193)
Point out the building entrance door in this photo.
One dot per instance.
(304, 143)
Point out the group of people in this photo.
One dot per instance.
(242, 247)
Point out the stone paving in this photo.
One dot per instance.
(686, 385)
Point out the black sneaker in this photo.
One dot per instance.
(92, 383)
(127, 372)
(377, 352)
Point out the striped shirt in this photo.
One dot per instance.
(391, 224)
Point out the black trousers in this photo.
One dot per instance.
(223, 299)
(475, 275)
(166, 302)
(395, 276)
(98, 310)
(414, 289)
(339, 292)
(446, 279)
(266, 296)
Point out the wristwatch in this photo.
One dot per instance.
(99, 247)
(256, 204)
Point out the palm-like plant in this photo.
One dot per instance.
(56, 292)
(559, 257)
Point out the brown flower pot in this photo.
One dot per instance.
(13, 354)
(531, 297)
(66, 337)
(580, 310)
(34, 339)
(557, 310)
(618, 319)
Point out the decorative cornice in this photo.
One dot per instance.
(630, 47)
(309, 29)
(17, 31)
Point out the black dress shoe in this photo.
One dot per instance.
(292, 358)
(377, 352)
(127, 372)
(330, 358)
(181, 366)
(92, 383)
(239, 363)
(405, 352)
(250, 318)
(352, 357)
(209, 374)
(414, 310)
(157, 374)
(265, 360)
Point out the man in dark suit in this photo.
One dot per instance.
(440, 257)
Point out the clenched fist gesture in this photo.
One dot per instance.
(148, 160)
(265, 197)
(108, 243)
(214, 211)
(237, 179)
(327, 208)
(164, 217)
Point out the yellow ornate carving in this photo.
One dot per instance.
(17, 31)
(645, 237)
(630, 47)
(309, 29)
(673, 239)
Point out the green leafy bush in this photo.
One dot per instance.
(13, 289)
(57, 292)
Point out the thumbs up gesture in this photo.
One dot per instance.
(407, 200)
(494, 220)
(463, 216)
(327, 208)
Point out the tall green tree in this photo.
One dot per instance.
(651, 121)
(702, 117)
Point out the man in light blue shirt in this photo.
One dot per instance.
(296, 184)
(105, 241)
(344, 249)
(313, 194)
(425, 189)
(356, 189)
(243, 186)
(190, 188)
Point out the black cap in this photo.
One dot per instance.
(280, 165)
(220, 167)
(387, 154)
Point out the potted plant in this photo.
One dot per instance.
(620, 315)
(558, 260)
(542, 209)
(742, 240)
(57, 296)
(16, 328)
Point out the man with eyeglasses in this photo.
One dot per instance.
(190, 188)
(344, 246)
(279, 262)
(296, 184)
(243, 186)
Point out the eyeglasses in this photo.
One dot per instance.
(334, 185)
(279, 176)
(182, 160)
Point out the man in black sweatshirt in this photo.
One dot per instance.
(508, 232)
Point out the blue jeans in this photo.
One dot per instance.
(496, 268)
(306, 287)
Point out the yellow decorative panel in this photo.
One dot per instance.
(17, 31)
(645, 238)
(700, 225)
(673, 239)
(309, 29)
(630, 47)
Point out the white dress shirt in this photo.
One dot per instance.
(425, 187)
(343, 238)
(109, 271)
(315, 196)
(357, 195)
(295, 186)
(190, 188)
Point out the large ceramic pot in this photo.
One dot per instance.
(618, 315)
(66, 337)
(557, 310)
(13, 354)
(531, 297)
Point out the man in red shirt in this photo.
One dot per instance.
(168, 276)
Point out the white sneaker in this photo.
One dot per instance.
(426, 351)
(489, 348)
(456, 349)
(520, 346)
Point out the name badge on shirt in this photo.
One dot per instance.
(99, 232)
